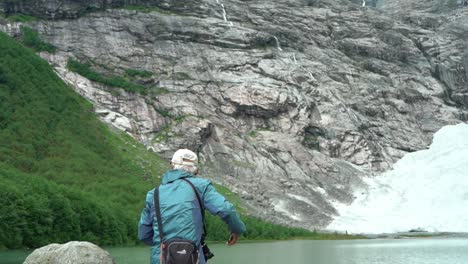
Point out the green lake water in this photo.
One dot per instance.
(375, 251)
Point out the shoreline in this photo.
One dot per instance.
(320, 236)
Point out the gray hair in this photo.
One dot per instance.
(192, 169)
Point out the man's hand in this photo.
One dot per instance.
(232, 239)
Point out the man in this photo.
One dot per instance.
(180, 212)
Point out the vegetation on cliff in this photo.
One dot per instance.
(30, 38)
(84, 69)
(64, 175)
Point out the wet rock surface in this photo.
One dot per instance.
(288, 103)
(74, 252)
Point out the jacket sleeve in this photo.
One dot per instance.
(216, 204)
(145, 225)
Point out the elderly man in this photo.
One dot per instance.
(180, 201)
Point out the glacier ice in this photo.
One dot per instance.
(426, 190)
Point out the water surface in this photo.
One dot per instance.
(374, 251)
(13, 256)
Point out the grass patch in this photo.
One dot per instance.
(85, 70)
(138, 73)
(163, 112)
(163, 135)
(156, 91)
(21, 18)
(254, 133)
(30, 38)
(231, 197)
(63, 174)
(315, 235)
(166, 132)
(181, 76)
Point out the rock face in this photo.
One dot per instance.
(60, 9)
(288, 103)
(70, 253)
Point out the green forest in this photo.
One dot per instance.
(64, 175)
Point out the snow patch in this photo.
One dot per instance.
(280, 206)
(303, 199)
(320, 190)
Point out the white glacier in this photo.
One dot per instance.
(427, 190)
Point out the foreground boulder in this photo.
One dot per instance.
(74, 252)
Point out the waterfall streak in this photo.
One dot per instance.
(224, 13)
(297, 65)
(277, 44)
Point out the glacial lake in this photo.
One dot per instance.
(373, 251)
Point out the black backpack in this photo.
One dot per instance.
(180, 251)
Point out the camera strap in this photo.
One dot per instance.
(201, 208)
(158, 215)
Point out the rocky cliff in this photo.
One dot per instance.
(288, 102)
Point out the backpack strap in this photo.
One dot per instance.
(201, 207)
(157, 209)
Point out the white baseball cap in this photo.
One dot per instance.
(185, 157)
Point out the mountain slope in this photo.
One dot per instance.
(290, 103)
(64, 175)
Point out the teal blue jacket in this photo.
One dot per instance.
(180, 211)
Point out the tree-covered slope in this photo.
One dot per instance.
(66, 176)
(63, 174)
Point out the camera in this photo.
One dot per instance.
(206, 252)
